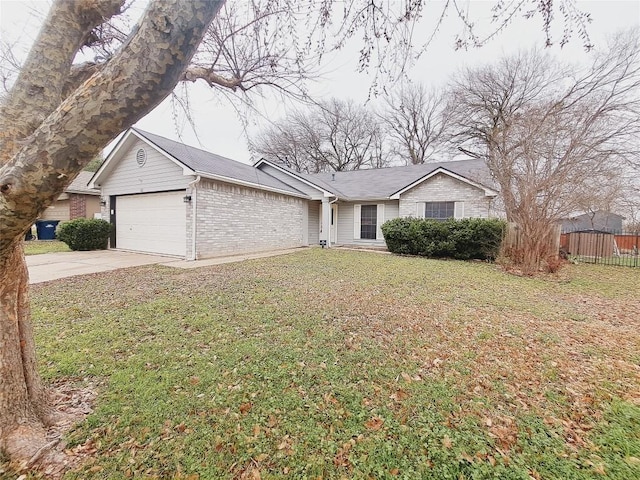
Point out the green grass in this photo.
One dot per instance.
(335, 364)
(621, 261)
(37, 247)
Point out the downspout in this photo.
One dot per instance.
(194, 212)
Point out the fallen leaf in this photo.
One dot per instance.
(375, 423)
(446, 442)
(255, 474)
(599, 469)
(245, 407)
(467, 457)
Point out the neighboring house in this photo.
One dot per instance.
(600, 220)
(168, 198)
(77, 201)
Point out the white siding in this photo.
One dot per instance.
(233, 219)
(346, 224)
(471, 202)
(156, 175)
(314, 222)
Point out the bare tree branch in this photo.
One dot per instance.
(555, 142)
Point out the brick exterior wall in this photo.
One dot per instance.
(77, 206)
(443, 188)
(232, 219)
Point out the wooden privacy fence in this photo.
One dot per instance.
(514, 239)
(607, 248)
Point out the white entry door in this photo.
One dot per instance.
(152, 223)
(334, 223)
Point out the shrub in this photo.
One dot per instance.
(466, 239)
(85, 234)
(398, 235)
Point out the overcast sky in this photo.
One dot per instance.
(218, 128)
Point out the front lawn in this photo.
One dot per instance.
(336, 364)
(38, 247)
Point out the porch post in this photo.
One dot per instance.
(326, 222)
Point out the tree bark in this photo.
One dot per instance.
(44, 151)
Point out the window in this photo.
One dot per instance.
(439, 210)
(368, 221)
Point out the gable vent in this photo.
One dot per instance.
(141, 157)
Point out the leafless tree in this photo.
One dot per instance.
(416, 120)
(56, 115)
(554, 140)
(334, 135)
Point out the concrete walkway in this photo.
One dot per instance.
(52, 266)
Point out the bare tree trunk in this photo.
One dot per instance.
(24, 409)
(40, 157)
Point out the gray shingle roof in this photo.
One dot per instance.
(381, 183)
(369, 184)
(79, 185)
(207, 163)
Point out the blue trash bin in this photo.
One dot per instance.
(46, 229)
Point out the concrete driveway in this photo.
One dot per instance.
(52, 266)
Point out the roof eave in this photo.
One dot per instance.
(82, 192)
(235, 181)
(324, 192)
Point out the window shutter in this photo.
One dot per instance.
(356, 222)
(379, 221)
(420, 206)
(458, 210)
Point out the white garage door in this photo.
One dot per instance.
(152, 222)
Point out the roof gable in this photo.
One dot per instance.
(295, 175)
(440, 170)
(194, 161)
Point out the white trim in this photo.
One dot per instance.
(293, 175)
(458, 210)
(357, 212)
(487, 191)
(379, 221)
(194, 217)
(420, 209)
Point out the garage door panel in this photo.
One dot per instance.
(152, 222)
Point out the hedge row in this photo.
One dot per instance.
(469, 238)
(85, 234)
